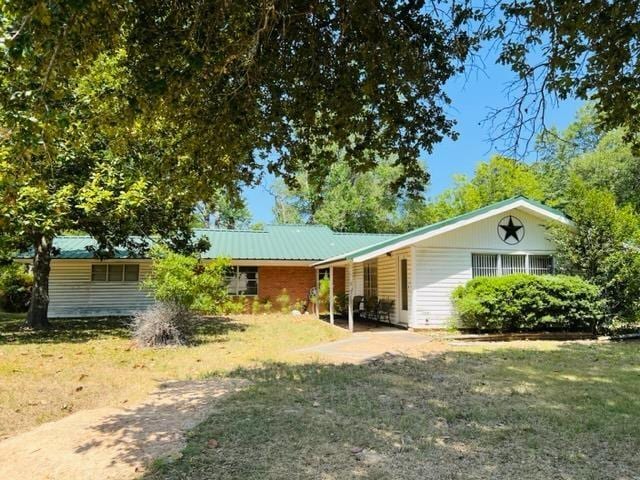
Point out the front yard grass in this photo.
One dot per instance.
(82, 364)
(526, 410)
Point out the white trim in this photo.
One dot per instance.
(462, 223)
(350, 316)
(331, 302)
(412, 291)
(240, 263)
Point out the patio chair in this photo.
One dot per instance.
(358, 306)
(385, 307)
(371, 308)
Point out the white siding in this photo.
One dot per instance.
(444, 262)
(388, 280)
(72, 293)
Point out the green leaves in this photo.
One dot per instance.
(600, 248)
(522, 302)
(188, 283)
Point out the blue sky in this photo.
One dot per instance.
(472, 97)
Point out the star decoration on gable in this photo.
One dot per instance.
(510, 230)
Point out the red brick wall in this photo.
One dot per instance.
(338, 280)
(297, 280)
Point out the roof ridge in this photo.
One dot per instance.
(368, 233)
(236, 230)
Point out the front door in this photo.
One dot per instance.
(403, 290)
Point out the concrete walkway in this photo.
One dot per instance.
(366, 345)
(113, 443)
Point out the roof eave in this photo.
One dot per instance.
(368, 253)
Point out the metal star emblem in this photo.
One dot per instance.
(511, 231)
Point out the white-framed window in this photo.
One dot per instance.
(115, 272)
(371, 279)
(492, 264)
(484, 265)
(513, 264)
(541, 264)
(242, 280)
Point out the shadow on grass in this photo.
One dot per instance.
(79, 330)
(67, 330)
(571, 412)
(217, 327)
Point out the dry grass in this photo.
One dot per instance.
(83, 364)
(534, 410)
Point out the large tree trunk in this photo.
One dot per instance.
(37, 317)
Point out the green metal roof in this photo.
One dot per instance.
(435, 226)
(274, 242)
(290, 242)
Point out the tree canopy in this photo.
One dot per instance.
(561, 49)
(118, 117)
(348, 201)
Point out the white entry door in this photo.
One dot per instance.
(402, 301)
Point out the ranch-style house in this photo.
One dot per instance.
(409, 276)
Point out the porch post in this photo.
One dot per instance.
(350, 266)
(317, 294)
(331, 295)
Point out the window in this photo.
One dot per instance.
(242, 280)
(371, 279)
(491, 265)
(513, 264)
(484, 265)
(115, 273)
(131, 273)
(112, 272)
(404, 280)
(98, 273)
(541, 264)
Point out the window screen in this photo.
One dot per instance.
(491, 265)
(484, 265)
(242, 280)
(513, 264)
(98, 273)
(541, 264)
(371, 279)
(110, 272)
(115, 273)
(131, 273)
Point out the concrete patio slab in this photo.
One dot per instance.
(367, 345)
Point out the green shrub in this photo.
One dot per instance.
(528, 302)
(284, 301)
(255, 306)
(342, 303)
(267, 306)
(187, 283)
(15, 287)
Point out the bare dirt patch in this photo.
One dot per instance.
(114, 443)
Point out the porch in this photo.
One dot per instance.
(377, 289)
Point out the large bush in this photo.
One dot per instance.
(528, 302)
(15, 287)
(604, 248)
(188, 283)
(162, 325)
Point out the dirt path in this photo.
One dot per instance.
(112, 443)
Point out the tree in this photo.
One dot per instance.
(603, 247)
(498, 179)
(224, 209)
(73, 164)
(561, 49)
(347, 201)
(602, 160)
(117, 117)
